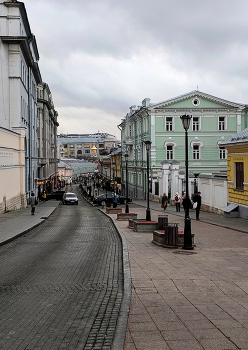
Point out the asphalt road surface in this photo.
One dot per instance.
(61, 284)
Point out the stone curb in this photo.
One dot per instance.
(120, 333)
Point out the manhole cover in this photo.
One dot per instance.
(184, 252)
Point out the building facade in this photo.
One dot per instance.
(47, 125)
(20, 77)
(237, 170)
(87, 146)
(12, 169)
(213, 120)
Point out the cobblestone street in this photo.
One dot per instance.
(61, 283)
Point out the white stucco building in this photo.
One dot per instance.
(20, 77)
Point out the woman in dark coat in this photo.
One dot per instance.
(197, 199)
(164, 201)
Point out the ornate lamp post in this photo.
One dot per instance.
(106, 170)
(187, 221)
(127, 206)
(113, 165)
(148, 147)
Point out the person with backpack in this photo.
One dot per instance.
(177, 201)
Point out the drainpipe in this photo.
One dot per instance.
(30, 152)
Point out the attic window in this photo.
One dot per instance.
(196, 101)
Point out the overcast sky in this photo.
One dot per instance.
(99, 57)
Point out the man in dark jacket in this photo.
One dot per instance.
(197, 199)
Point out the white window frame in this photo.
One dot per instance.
(169, 124)
(196, 153)
(172, 151)
(222, 123)
(169, 152)
(196, 124)
(222, 153)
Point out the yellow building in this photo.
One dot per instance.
(237, 171)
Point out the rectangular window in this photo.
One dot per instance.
(169, 152)
(239, 175)
(222, 123)
(87, 151)
(196, 152)
(223, 153)
(130, 130)
(169, 124)
(196, 124)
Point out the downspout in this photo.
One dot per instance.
(30, 136)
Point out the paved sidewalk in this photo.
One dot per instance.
(188, 300)
(15, 223)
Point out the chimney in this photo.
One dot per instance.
(146, 102)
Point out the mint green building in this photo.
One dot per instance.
(213, 120)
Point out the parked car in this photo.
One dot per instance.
(70, 198)
(102, 198)
(56, 195)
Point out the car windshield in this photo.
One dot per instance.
(70, 195)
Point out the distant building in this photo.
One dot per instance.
(213, 120)
(86, 146)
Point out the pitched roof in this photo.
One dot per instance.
(196, 93)
(241, 136)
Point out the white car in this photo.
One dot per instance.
(70, 198)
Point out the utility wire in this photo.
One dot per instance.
(59, 97)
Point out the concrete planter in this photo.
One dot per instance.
(131, 222)
(113, 210)
(126, 216)
(158, 238)
(145, 226)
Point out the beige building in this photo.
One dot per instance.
(12, 169)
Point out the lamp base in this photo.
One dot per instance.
(148, 214)
(187, 234)
(127, 208)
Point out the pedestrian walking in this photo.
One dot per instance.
(33, 203)
(197, 204)
(115, 200)
(177, 201)
(44, 196)
(164, 201)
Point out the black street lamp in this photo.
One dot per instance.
(106, 169)
(187, 221)
(148, 147)
(127, 206)
(113, 165)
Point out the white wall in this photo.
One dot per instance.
(213, 192)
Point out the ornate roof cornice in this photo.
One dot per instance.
(197, 93)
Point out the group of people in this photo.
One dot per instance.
(178, 200)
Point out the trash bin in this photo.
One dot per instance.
(162, 221)
(171, 235)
